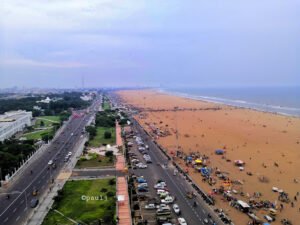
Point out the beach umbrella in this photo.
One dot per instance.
(266, 224)
(219, 152)
(189, 158)
(198, 161)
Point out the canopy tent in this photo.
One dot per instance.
(219, 152)
(205, 171)
(189, 158)
(198, 161)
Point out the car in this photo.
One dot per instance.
(70, 153)
(181, 221)
(141, 166)
(159, 186)
(159, 191)
(176, 209)
(50, 162)
(141, 180)
(150, 206)
(143, 185)
(34, 202)
(168, 200)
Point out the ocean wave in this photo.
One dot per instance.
(283, 110)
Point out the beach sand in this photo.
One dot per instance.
(269, 144)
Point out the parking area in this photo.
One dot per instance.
(152, 200)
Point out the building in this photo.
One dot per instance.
(13, 122)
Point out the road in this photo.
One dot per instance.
(177, 185)
(13, 211)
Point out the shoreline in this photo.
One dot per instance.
(267, 142)
(206, 99)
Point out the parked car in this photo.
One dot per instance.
(143, 185)
(168, 200)
(50, 162)
(150, 206)
(141, 166)
(182, 221)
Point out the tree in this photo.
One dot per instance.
(107, 134)
(42, 123)
(92, 131)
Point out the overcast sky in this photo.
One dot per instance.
(128, 43)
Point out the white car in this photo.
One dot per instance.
(141, 166)
(168, 200)
(150, 206)
(176, 209)
(159, 186)
(50, 162)
(70, 153)
(160, 191)
(182, 221)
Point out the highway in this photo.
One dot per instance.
(13, 211)
(177, 185)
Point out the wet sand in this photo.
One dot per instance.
(269, 144)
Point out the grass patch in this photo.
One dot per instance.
(35, 135)
(48, 121)
(95, 161)
(106, 105)
(72, 205)
(99, 138)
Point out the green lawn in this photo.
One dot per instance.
(73, 206)
(106, 105)
(48, 121)
(99, 138)
(95, 161)
(37, 134)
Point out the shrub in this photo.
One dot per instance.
(107, 134)
(103, 190)
(109, 153)
(112, 182)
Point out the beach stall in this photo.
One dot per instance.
(205, 171)
(198, 161)
(219, 151)
(244, 207)
(239, 163)
(189, 159)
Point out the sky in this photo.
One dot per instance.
(157, 43)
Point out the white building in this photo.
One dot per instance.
(13, 122)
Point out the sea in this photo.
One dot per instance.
(281, 100)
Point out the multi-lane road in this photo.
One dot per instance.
(38, 174)
(177, 185)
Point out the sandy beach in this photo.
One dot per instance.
(269, 144)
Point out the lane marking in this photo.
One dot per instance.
(15, 210)
(18, 218)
